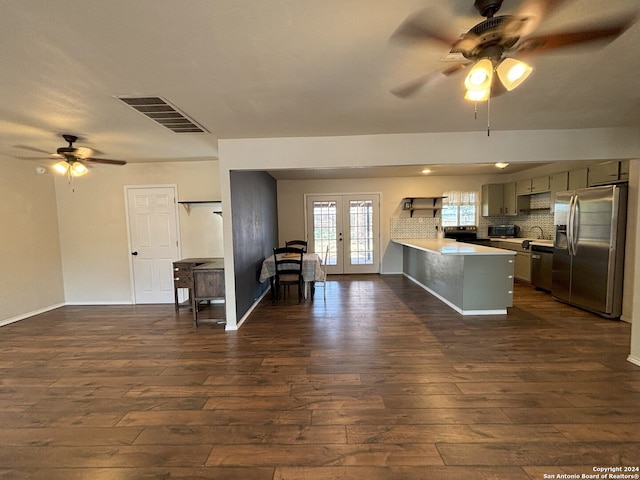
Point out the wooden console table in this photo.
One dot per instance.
(183, 277)
(208, 284)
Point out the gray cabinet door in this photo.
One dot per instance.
(523, 187)
(604, 173)
(540, 184)
(492, 198)
(509, 199)
(578, 179)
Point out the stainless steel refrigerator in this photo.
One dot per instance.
(588, 254)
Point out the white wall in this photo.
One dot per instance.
(93, 229)
(31, 272)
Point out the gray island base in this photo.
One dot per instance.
(471, 279)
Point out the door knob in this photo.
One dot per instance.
(134, 253)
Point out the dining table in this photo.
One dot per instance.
(311, 272)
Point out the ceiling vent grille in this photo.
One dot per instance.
(162, 112)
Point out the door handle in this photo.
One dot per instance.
(134, 253)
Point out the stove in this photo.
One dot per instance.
(464, 233)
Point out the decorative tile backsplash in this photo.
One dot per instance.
(414, 227)
(425, 227)
(537, 218)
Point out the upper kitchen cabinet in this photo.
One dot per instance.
(523, 187)
(532, 185)
(608, 172)
(510, 199)
(558, 182)
(540, 184)
(578, 179)
(624, 170)
(501, 199)
(492, 199)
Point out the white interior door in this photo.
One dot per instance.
(153, 235)
(350, 226)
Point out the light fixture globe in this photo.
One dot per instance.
(480, 76)
(512, 72)
(78, 169)
(61, 167)
(477, 95)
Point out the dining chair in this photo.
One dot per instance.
(288, 262)
(323, 282)
(298, 244)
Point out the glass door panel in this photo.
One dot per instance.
(349, 225)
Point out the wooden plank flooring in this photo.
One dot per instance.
(382, 382)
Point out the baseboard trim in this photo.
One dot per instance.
(101, 304)
(248, 312)
(634, 360)
(455, 307)
(30, 314)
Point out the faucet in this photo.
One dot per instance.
(540, 228)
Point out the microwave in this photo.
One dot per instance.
(503, 231)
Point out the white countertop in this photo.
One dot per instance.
(519, 241)
(450, 247)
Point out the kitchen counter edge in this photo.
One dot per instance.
(449, 247)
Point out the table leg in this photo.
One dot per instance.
(194, 307)
(272, 283)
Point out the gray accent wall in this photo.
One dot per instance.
(255, 232)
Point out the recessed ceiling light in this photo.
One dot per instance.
(502, 165)
(426, 170)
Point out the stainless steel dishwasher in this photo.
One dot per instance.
(541, 266)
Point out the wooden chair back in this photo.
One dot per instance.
(288, 262)
(298, 244)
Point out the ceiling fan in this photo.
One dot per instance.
(75, 159)
(491, 46)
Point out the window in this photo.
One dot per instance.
(459, 208)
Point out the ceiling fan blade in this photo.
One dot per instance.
(83, 152)
(105, 161)
(40, 159)
(529, 15)
(552, 41)
(33, 149)
(428, 24)
(411, 88)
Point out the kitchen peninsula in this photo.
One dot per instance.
(471, 279)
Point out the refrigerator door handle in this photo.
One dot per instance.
(576, 224)
(570, 227)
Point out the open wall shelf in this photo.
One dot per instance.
(187, 205)
(412, 204)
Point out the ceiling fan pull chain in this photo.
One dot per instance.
(489, 116)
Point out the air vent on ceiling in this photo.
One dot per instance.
(162, 112)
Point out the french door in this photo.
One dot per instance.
(350, 226)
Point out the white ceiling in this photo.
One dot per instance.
(276, 68)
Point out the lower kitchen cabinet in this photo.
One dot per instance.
(522, 267)
(522, 260)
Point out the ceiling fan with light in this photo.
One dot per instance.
(75, 159)
(490, 48)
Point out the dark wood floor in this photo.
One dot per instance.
(383, 382)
